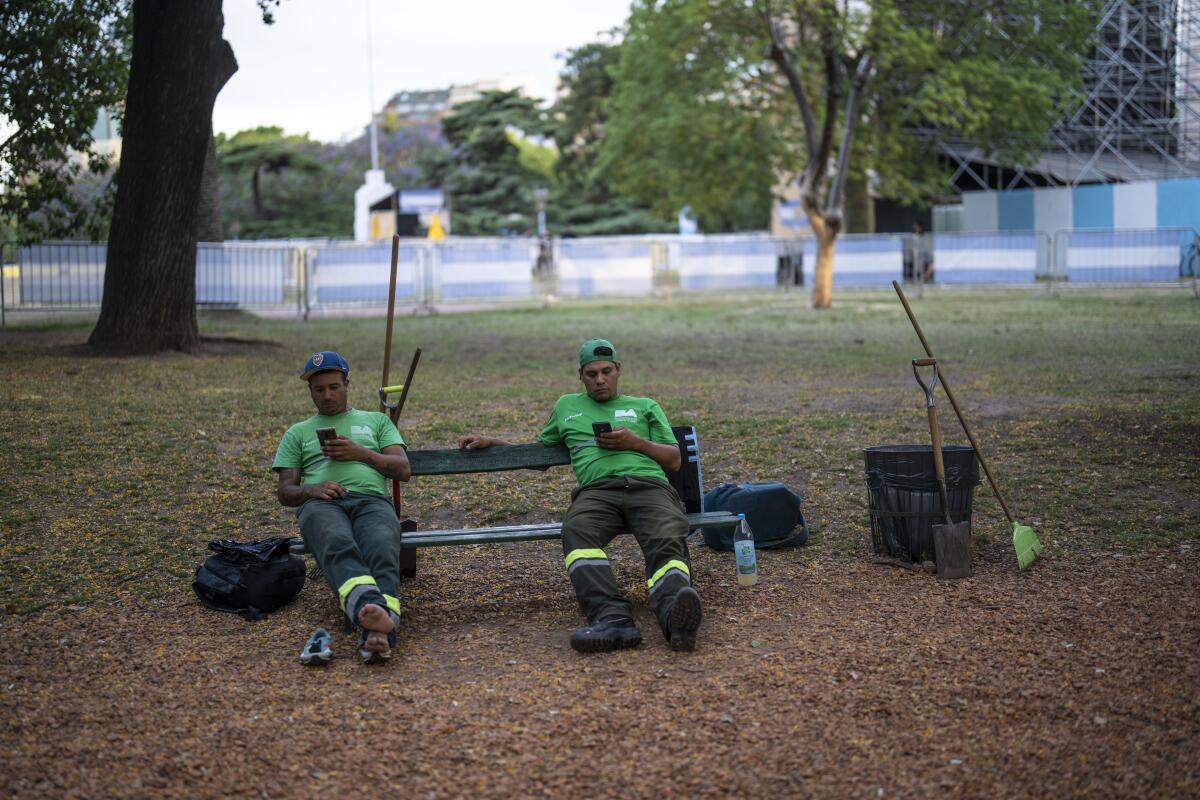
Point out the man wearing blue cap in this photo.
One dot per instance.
(620, 448)
(335, 466)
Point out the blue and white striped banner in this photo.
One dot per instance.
(985, 258)
(860, 260)
(361, 274)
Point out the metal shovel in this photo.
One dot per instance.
(952, 541)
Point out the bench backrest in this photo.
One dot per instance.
(687, 481)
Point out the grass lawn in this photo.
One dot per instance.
(117, 472)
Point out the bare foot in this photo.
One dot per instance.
(376, 619)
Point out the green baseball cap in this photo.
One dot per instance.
(597, 350)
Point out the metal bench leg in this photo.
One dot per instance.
(408, 555)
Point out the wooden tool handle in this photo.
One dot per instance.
(387, 343)
(950, 396)
(935, 433)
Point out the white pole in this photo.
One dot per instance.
(371, 93)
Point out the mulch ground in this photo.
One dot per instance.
(832, 677)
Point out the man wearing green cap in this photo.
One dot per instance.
(335, 466)
(621, 447)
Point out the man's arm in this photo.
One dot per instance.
(665, 455)
(292, 493)
(392, 463)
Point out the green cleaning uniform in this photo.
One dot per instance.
(354, 538)
(619, 490)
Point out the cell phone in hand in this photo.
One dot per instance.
(326, 435)
(601, 427)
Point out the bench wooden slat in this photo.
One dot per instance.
(521, 533)
(491, 459)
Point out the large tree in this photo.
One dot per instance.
(836, 86)
(180, 62)
(581, 200)
(62, 63)
(490, 185)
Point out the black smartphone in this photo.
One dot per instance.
(326, 435)
(601, 427)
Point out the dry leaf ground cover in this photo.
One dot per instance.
(831, 678)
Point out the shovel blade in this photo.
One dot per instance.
(1026, 543)
(952, 546)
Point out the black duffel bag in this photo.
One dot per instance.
(249, 578)
(772, 509)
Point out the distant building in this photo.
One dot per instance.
(417, 106)
(106, 136)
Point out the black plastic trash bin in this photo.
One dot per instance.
(904, 499)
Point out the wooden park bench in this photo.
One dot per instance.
(687, 481)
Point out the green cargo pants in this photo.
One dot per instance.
(648, 508)
(356, 542)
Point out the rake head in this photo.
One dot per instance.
(1026, 543)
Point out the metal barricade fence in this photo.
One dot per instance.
(1126, 255)
(483, 269)
(734, 261)
(982, 257)
(860, 259)
(236, 274)
(66, 275)
(609, 266)
(358, 274)
(336, 274)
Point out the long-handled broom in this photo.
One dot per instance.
(1025, 540)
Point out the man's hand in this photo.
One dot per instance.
(620, 439)
(326, 490)
(292, 493)
(343, 449)
(473, 441)
(665, 455)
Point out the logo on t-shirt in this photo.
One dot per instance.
(360, 430)
(625, 412)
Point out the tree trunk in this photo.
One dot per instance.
(822, 292)
(208, 215)
(180, 62)
(256, 193)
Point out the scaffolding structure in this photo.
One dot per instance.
(1138, 116)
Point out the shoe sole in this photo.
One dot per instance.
(605, 644)
(371, 657)
(316, 659)
(685, 620)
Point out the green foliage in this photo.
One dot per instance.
(535, 157)
(63, 62)
(999, 81)
(686, 126)
(583, 202)
(490, 188)
(306, 188)
(703, 115)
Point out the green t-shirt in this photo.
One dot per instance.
(299, 449)
(571, 423)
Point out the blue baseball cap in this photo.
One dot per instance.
(323, 362)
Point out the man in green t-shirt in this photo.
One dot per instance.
(620, 446)
(335, 466)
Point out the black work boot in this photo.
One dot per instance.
(605, 635)
(684, 620)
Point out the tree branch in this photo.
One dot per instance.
(779, 54)
(20, 132)
(861, 73)
(833, 96)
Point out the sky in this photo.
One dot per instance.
(308, 73)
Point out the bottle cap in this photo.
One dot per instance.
(741, 516)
